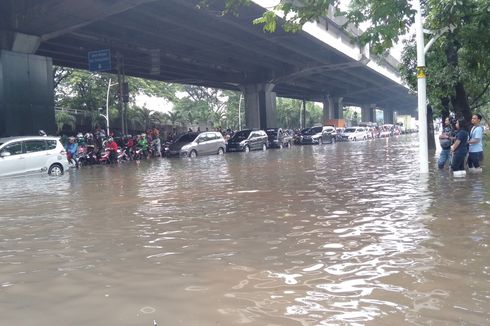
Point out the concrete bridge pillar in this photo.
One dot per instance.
(26, 91)
(368, 113)
(260, 106)
(328, 108)
(339, 108)
(388, 116)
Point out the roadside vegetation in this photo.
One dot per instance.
(82, 93)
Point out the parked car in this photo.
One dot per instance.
(247, 140)
(30, 154)
(194, 144)
(317, 135)
(278, 138)
(354, 133)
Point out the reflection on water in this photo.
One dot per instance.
(339, 234)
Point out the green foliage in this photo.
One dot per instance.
(388, 20)
(461, 55)
(172, 117)
(64, 118)
(289, 113)
(86, 91)
(215, 107)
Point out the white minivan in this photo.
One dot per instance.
(354, 133)
(29, 154)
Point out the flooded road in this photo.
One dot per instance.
(343, 234)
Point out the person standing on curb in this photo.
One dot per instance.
(476, 144)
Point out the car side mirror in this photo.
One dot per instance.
(5, 154)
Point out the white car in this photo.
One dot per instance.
(354, 133)
(29, 154)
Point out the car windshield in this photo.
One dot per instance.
(312, 131)
(350, 130)
(187, 138)
(241, 135)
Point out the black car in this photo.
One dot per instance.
(247, 140)
(317, 135)
(278, 138)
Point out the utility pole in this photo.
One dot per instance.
(421, 90)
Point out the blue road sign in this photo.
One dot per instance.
(99, 60)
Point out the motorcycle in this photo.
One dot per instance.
(123, 154)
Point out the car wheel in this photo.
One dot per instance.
(246, 149)
(354, 139)
(221, 151)
(264, 147)
(193, 154)
(55, 169)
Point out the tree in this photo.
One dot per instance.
(288, 112)
(463, 50)
(173, 117)
(83, 90)
(64, 118)
(459, 61)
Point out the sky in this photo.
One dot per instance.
(153, 103)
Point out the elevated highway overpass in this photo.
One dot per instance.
(179, 41)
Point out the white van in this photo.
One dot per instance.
(354, 133)
(30, 154)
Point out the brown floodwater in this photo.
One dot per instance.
(343, 234)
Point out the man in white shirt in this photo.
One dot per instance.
(476, 144)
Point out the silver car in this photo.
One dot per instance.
(28, 154)
(193, 144)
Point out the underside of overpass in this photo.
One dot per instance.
(181, 42)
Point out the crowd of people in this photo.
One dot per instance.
(462, 144)
(98, 148)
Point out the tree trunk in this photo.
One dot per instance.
(459, 100)
(445, 108)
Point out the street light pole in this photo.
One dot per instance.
(106, 116)
(421, 90)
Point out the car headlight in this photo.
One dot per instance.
(242, 143)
